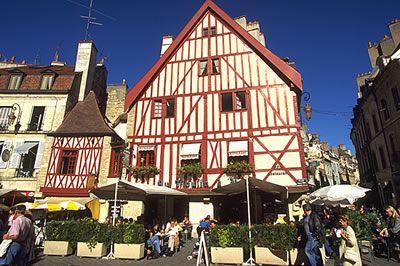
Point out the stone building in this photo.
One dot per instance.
(376, 119)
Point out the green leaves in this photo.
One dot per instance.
(191, 169)
(239, 168)
(144, 171)
(362, 223)
(230, 236)
(278, 236)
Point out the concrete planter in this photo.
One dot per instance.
(129, 251)
(98, 251)
(59, 248)
(227, 255)
(271, 257)
(298, 256)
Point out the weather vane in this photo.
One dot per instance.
(89, 20)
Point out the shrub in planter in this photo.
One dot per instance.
(129, 241)
(60, 239)
(361, 223)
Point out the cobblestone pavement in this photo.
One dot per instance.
(179, 259)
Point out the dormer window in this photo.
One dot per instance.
(15, 82)
(47, 82)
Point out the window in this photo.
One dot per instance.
(47, 82)
(170, 107)
(157, 108)
(5, 112)
(383, 161)
(203, 67)
(385, 110)
(368, 130)
(205, 32)
(229, 103)
(215, 65)
(115, 165)
(375, 123)
(395, 154)
(28, 158)
(213, 31)
(145, 158)
(36, 119)
(68, 162)
(15, 81)
(396, 98)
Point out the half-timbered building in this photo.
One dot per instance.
(215, 96)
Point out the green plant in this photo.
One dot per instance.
(230, 236)
(239, 168)
(276, 237)
(143, 172)
(191, 169)
(362, 223)
(129, 234)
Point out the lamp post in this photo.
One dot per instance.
(12, 117)
(308, 109)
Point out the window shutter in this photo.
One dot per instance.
(7, 146)
(39, 155)
(15, 157)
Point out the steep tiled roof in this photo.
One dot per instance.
(285, 71)
(85, 119)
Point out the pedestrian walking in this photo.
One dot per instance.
(313, 230)
(348, 250)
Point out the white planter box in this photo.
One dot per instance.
(271, 257)
(227, 255)
(98, 251)
(129, 251)
(59, 248)
(298, 256)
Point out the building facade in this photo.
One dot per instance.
(217, 96)
(376, 119)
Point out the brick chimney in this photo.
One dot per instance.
(86, 64)
(166, 42)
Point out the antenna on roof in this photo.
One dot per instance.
(37, 58)
(89, 20)
(105, 57)
(58, 49)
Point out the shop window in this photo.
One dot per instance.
(157, 108)
(233, 101)
(15, 82)
(68, 162)
(146, 158)
(171, 107)
(36, 118)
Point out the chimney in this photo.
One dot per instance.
(242, 21)
(394, 28)
(56, 63)
(12, 59)
(166, 42)
(86, 63)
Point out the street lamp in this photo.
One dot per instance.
(12, 117)
(308, 109)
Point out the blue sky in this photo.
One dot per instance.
(328, 40)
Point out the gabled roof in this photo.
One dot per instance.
(283, 70)
(85, 119)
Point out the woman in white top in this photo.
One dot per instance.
(348, 244)
(172, 232)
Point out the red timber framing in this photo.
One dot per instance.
(87, 163)
(269, 122)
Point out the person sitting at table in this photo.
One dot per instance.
(153, 244)
(204, 225)
(187, 227)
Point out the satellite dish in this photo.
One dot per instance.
(5, 156)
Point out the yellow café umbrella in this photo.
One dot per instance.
(49, 207)
(71, 205)
(4, 207)
(28, 205)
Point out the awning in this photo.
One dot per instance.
(238, 148)
(240, 187)
(10, 193)
(133, 191)
(24, 148)
(147, 147)
(190, 151)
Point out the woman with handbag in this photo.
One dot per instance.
(393, 230)
(348, 250)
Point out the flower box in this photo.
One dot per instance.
(298, 256)
(271, 257)
(59, 248)
(98, 251)
(227, 255)
(129, 251)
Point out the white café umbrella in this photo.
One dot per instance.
(71, 205)
(337, 195)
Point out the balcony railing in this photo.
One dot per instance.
(24, 172)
